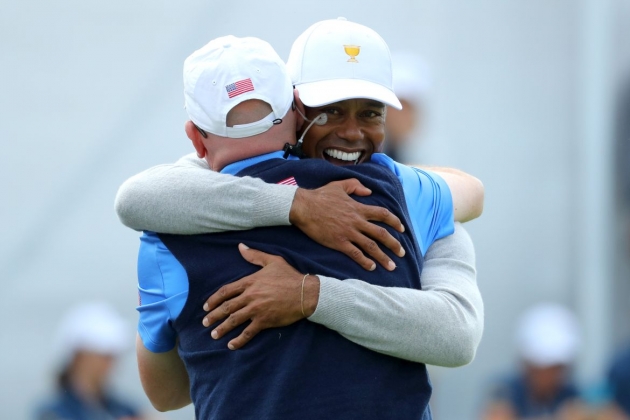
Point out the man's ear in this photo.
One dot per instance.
(197, 139)
(299, 120)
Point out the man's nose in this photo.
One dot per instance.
(350, 130)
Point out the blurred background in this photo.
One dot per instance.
(532, 97)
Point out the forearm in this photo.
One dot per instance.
(439, 325)
(188, 198)
(164, 378)
(467, 192)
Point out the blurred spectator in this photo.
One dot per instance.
(619, 385)
(91, 336)
(618, 377)
(411, 85)
(547, 338)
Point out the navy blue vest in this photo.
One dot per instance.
(302, 371)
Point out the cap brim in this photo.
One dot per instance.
(326, 92)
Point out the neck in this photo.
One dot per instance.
(235, 150)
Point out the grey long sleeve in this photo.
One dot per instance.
(441, 324)
(187, 198)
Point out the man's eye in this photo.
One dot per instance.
(331, 111)
(371, 114)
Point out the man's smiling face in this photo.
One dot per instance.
(355, 129)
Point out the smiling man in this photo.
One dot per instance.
(345, 140)
(357, 142)
(343, 69)
(351, 95)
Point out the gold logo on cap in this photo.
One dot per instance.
(352, 51)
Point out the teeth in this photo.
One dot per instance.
(338, 154)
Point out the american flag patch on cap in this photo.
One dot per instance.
(288, 181)
(242, 86)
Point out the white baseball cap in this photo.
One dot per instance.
(335, 60)
(548, 334)
(231, 70)
(95, 327)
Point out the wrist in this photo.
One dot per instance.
(296, 212)
(311, 294)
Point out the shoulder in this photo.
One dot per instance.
(193, 161)
(411, 178)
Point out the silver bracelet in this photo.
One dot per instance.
(302, 296)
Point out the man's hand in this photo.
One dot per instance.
(331, 218)
(271, 297)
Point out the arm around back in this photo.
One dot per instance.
(188, 198)
(467, 192)
(441, 324)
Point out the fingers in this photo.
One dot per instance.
(357, 255)
(248, 333)
(366, 236)
(230, 290)
(381, 214)
(225, 292)
(372, 249)
(380, 234)
(234, 320)
(353, 186)
(254, 256)
(226, 309)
